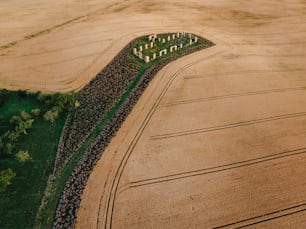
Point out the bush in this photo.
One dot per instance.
(13, 136)
(23, 156)
(23, 126)
(51, 116)
(25, 115)
(63, 101)
(76, 104)
(35, 112)
(6, 177)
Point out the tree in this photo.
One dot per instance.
(76, 104)
(6, 177)
(13, 136)
(23, 156)
(24, 126)
(28, 124)
(62, 101)
(35, 112)
(42, 97)
(25, 115)
(51, 116)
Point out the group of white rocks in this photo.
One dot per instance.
(152, 42)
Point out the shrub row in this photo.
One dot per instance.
(95, 99)
(71, 197)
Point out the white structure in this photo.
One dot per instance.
(193, 41)
(162, 52)
(174, 47)
(147, 59)
(152, 37)
(135, 51)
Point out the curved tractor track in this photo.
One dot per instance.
(215, 136)
(115, 182)
(217, 140)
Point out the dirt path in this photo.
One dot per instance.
(217, 139)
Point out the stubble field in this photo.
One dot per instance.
(218, 138)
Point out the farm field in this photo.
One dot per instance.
(218, 138)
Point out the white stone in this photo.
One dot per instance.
(193, 41)
(135, 51)
(140, 48)
(163, 52)
(146, 46)
(174, 47)
(181, 45)
(147, 59)
(154, 56)
(164, 40)
(152, 37)
(173, 36)
(151, 44)
(169, 38)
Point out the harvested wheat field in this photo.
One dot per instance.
(217, 140)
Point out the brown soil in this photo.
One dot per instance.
(217, 139)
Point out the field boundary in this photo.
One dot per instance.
(107, 127)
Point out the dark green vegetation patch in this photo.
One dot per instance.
(32, 139)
